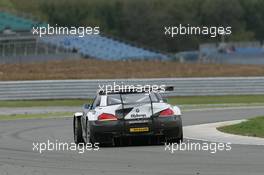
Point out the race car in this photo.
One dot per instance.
(119, 115)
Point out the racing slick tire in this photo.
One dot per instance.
(175, 140)
(89, 136)
(77, 130)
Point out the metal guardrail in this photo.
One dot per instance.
(83, 89)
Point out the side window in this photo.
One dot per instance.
(96, 101)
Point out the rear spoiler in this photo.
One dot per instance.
(169, 88)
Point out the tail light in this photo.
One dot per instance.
(166, 112)
(107, 117)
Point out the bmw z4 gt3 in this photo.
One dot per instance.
(115, 116)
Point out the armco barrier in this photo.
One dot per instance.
(83, 89)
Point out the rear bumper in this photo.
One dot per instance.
(170, 127)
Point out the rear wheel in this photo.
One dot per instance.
(175, 139)
(77, 130)
(179, 140)
(89, 136)
(157, 140)
(118, 142)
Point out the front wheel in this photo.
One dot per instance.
(77, 130)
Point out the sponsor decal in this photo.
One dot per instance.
(138, 115)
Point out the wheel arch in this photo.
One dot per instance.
(177, 110)
(78, 114)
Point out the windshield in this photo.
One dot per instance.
(135, 98)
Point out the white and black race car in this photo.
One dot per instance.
(115, 116)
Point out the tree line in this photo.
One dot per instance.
(143, 21)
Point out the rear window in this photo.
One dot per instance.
(134, 98)
(113, 99)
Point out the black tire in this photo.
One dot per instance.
(118, 142)
(180, 140)
(157, 140)
(77, 130)
(89, 136)
(175, 140)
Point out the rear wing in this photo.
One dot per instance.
(169, 88)
(146, 91)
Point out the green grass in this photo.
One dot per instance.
(44, 103)
(253, 127)
(217, 99)
(35, 116)
(193, 100)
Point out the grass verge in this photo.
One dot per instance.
(194, 100)
(217, 99)
(35, 116)
(253, 127)
(43, 103)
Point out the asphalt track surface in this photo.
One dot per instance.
(17, 156)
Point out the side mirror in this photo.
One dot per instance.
(86, 106)
(165, 100)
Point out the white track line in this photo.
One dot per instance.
(208, 132)
(223, 108)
